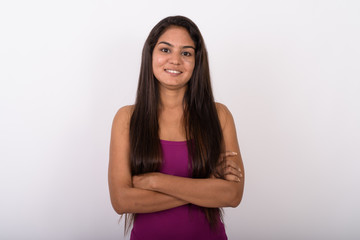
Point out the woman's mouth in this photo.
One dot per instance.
(172, 71)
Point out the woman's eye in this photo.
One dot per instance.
(186, 54)
(165, 50)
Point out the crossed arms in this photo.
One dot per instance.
(152, 192)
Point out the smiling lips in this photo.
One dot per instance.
(172, 71)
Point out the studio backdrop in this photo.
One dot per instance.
(287, 70)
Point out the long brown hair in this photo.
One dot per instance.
(201, 122)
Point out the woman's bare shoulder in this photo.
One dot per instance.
(123, 116)
(125, 110)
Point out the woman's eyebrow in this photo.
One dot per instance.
(170, 45)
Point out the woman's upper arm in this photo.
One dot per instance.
(119, 175)
(231, 141)
(229, 131)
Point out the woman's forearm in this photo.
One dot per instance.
(135, 200)
(202, 192)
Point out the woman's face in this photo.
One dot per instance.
(173, 58)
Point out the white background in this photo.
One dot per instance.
(288, 71)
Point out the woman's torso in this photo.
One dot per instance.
(185, 222)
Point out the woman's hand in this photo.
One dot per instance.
(228, 168)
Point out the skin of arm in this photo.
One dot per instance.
(125, 198)
(202, 192)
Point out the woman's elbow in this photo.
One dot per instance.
(120, 204)
(235, 202)
(236, 198)
(123, 207)
(118, 207)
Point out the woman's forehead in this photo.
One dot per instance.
(176, 36)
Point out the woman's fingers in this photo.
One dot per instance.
(231, 163)
(228, 168)
(223, 161)
(228, 154)
(230, 177)
(233, 171)
(227, 162)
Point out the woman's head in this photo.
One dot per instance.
(200, 77)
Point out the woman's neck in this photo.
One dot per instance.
(171, 113)
(171, 99)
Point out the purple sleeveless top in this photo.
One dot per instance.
(186, 222)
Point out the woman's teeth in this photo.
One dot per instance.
(172, 71)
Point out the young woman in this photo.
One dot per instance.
(174, 156)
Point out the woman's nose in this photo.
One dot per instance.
(175, 59)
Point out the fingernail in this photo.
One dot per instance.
(235, 153)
